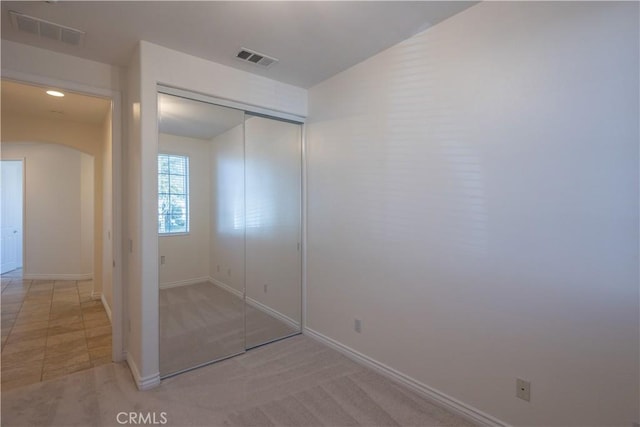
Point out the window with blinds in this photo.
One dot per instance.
(173, 194)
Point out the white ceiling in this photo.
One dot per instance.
(314, 40)
(195, 119)
(33, 101)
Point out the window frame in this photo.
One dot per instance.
(187, 194)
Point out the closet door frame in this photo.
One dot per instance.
(247, 108)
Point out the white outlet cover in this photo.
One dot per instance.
(523, 389)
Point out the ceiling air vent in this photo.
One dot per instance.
(46, 29)
(248, 55)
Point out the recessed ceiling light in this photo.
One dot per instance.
(55, 93)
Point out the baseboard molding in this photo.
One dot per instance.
(105, 304)
(88, 276)
(454, 405)
(143, 383)
(186, 282)
(226, 287)
(273, 313)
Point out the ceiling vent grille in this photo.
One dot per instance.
(46, 29)
(248, 55)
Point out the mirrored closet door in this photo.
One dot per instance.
(273, 263)
(200, 233)
(229, 230)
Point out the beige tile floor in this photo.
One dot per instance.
(50, 329)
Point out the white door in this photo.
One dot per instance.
(11, 214)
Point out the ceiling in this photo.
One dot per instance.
(195, 119)
(33, 101)
(313, 40)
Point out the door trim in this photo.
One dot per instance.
(247, 108)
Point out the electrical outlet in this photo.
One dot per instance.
(162, 259)
(357, 325)
(265, 288)
(523, 389)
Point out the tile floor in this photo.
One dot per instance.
(50, 329)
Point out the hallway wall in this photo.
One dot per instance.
(86, 138)
(58, 225)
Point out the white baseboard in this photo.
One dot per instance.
(273, 313)
(226, 287)
(184, 282)
(143, 383)
(87, 276)
(454, 405)
(105, 304)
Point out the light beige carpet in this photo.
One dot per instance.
(293, 382)
(200, 323)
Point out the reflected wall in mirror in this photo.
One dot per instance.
(201, 233)
(273, 200)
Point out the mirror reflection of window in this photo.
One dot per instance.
(200, 268)
(173, 194)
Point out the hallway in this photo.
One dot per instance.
(50, 329)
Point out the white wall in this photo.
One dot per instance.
(136, 304)
(151, 65)
(84, 137)
(59, 210)
(473, 198)
(187, 256)
(226, 238)
(25, 62)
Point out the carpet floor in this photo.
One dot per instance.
(200, 323)
(293, 382)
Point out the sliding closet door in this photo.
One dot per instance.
(272, 246)
(200, 232)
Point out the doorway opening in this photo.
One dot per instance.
(62, 299)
